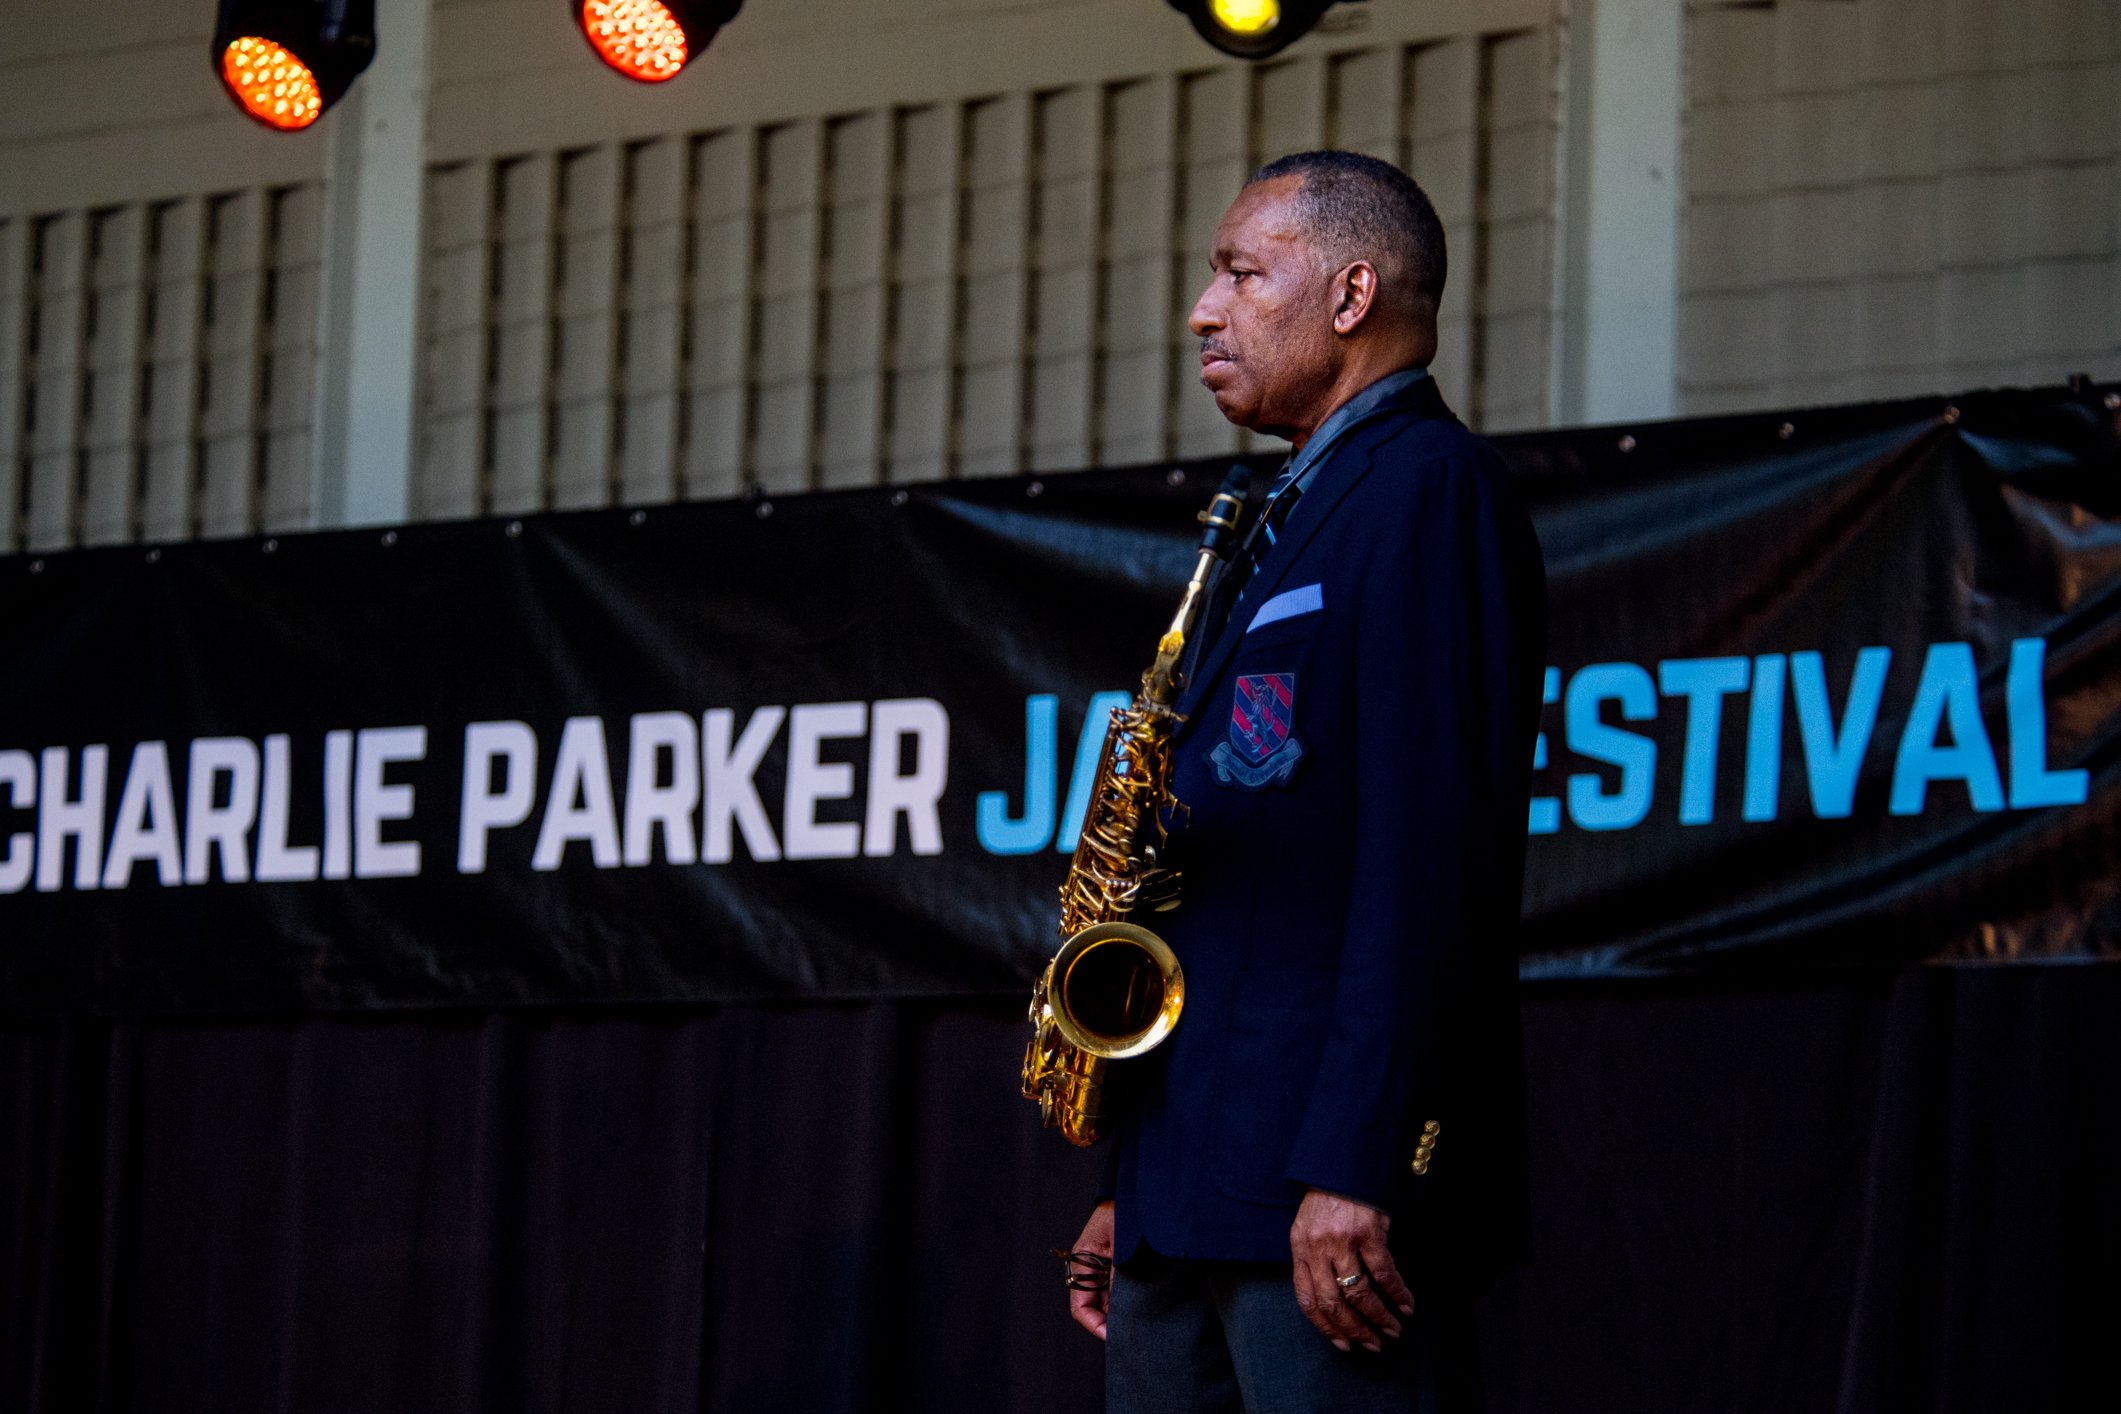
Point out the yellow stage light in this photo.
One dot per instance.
(1249, 18)
(1252, 29)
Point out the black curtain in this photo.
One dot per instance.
(1896, 1193)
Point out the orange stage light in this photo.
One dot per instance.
(273, 85)
(639, 38)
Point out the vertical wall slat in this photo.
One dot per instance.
(1443, 138)
(1137, 308)
(171, 393)
(926, 312)
(1517, 262)
(585, 295)
(654, 301)
(526, 199)
(1218, 121)
(298, 271)
(1289, 108)
(58, 263)
(997, 287)
(1364, 103)
(718, 439)
(857, 274)
(111, 387)
(1065, 279)
(792, 166)
(459, 207)
(14, 332)
(228, 473)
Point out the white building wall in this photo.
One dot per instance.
(1895, 197)
(866, 241)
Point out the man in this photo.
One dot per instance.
(1319, 1170)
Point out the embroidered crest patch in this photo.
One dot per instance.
(1262, 748)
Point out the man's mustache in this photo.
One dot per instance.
(1212, 346)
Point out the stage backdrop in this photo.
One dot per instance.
(1838, 692)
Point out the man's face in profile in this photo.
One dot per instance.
(1268, 350)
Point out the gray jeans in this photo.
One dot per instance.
(1186, 1337)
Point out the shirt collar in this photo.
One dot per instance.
(1345, 418)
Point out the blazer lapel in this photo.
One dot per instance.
(1333, 484)
(1423, 400)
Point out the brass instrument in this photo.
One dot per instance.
(1115, 989)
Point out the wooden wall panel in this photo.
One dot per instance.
(173, 327)
(1064, 275)
(1516, 264)
(653, 298)
(996, 286)
(974, 286)
(52, 414)
(14, 337)
(458, 338)
(110, 388)
(1220, 108)
(719, 349)
(853, 351)
(926, 309)
(231, 451)
(1142, 163)
(290, 392)
(791, 165)
(586, 325)
(1898, 197)
(526, 198)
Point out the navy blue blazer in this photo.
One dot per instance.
(1354, 774)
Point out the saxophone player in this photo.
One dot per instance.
(1317, 1173)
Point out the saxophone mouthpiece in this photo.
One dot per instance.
(1223, 513)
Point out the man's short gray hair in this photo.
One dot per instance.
(1359, 208)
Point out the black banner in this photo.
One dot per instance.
(1833, 689)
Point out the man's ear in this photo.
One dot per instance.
(1354, 295)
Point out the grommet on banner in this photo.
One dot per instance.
(1786, 431)
(1951, 414)
(899, 498)
(765, 509)
(637, 518)
(271, 545)
(36, 567)
(154, 557)
(515, 528)
(1627, 443)
(1035, 489)
(1174, 477)
(390, 537)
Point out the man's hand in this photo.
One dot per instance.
(1088, 1307)
(1334, 1237)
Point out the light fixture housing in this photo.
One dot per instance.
(1252, 29)
(650, 41)
(284, 62)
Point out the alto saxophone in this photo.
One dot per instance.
(1115, 989)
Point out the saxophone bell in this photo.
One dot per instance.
(1117, 990)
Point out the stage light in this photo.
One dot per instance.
(285, 61)
(1252, 29)
(651, 40)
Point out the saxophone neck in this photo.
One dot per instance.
(1164, 680)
